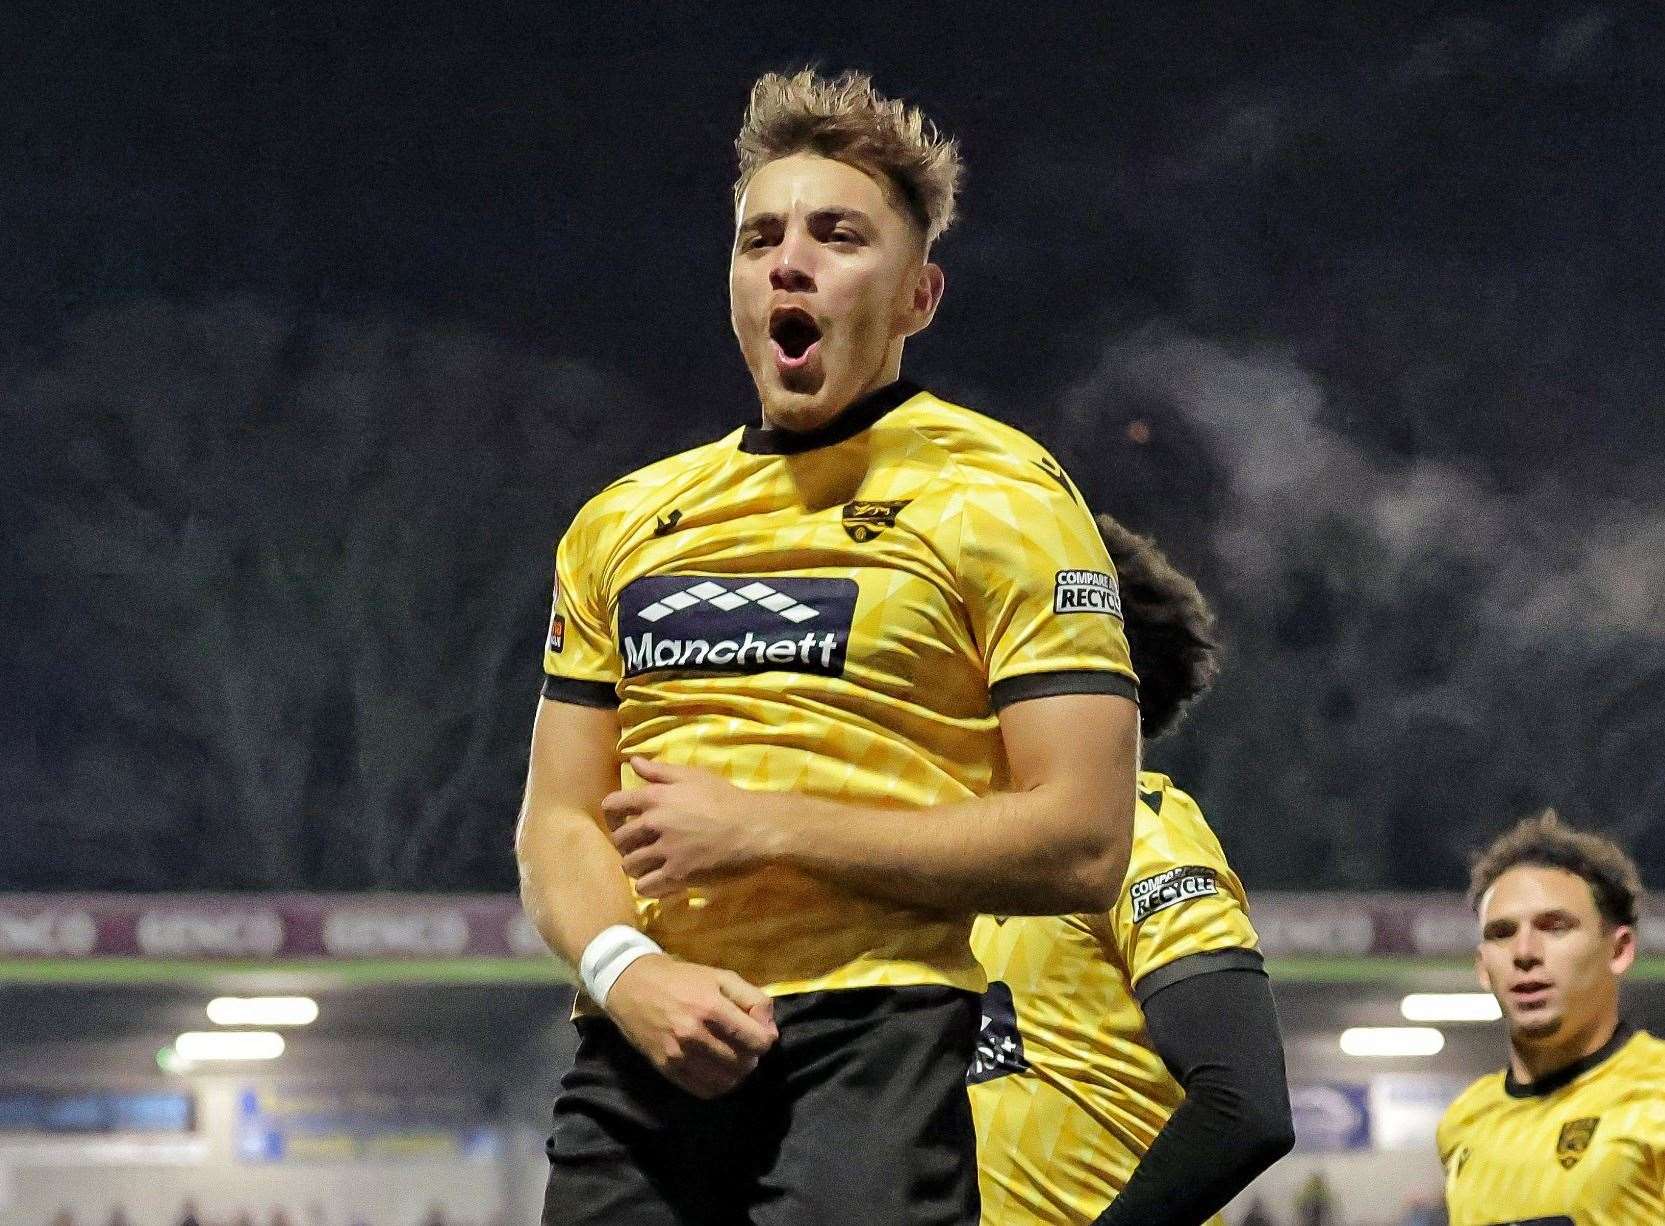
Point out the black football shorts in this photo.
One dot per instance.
(858, 1115)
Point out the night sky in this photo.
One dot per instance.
(316, 326)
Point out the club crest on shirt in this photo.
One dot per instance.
(1169, 889)
(1575, 1140)
(865, 520)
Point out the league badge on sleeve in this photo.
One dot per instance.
(1170, 889)
(1086, 591)
(557, 623)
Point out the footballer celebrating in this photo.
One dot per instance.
(1572, 1131)
(878, 635)
(1130, 1068)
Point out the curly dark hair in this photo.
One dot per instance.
(1170, 629)
(1545, 842)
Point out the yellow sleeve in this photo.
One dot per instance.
(580, 659)
(1180, 898)
(1041, 592)
(1444, 1139)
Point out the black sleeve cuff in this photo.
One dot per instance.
(1076, 681)
(1198, 964)
(580, 693)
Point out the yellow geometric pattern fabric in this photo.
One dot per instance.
(831, 619)
(1069, 1090)
(1588, 1152)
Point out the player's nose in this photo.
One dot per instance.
(792, 270)
(1527, 951)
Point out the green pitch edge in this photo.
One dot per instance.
(109, 972)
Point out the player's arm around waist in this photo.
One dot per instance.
(702, 1027)
(1057, 842)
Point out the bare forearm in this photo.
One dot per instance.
(571, 884)
(1037, 852)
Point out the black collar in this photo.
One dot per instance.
(851, 421)
(1552, 1082)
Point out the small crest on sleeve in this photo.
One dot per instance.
(557, 623)
(1170, 889)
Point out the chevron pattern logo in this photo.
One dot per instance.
(728, 600)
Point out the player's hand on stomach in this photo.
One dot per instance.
(685, 826)
(703, 1028)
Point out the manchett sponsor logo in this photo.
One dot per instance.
(743, 625)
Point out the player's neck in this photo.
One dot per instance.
(798, 419)
(1533, 1060)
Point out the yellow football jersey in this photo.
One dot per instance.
(838, 613)
(1067, 1090)
(1583, 1147)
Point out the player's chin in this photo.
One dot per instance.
(1536, 1024)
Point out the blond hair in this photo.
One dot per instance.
(846, 119)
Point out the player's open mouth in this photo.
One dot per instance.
(795, 336)
(1532, 992)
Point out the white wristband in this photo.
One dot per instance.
(608, 954)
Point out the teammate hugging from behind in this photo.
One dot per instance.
(1130, 1069)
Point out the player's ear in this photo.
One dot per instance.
(1480, 973)
(1622, 951)
(926, 295)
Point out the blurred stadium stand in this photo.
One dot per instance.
(420, 1093)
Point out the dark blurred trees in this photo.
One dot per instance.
(276, 586)
(277, 590)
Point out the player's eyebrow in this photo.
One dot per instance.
(840, 212)
(832, 212)
(756, 222)
(1557, 915)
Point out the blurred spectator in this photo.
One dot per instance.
(1256, 1215)
(243, 1218)
(188, 1214)
(280, 1217)
(63, 1218)
(436, 1216)
(118, 1217)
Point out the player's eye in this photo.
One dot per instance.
(845, 236)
